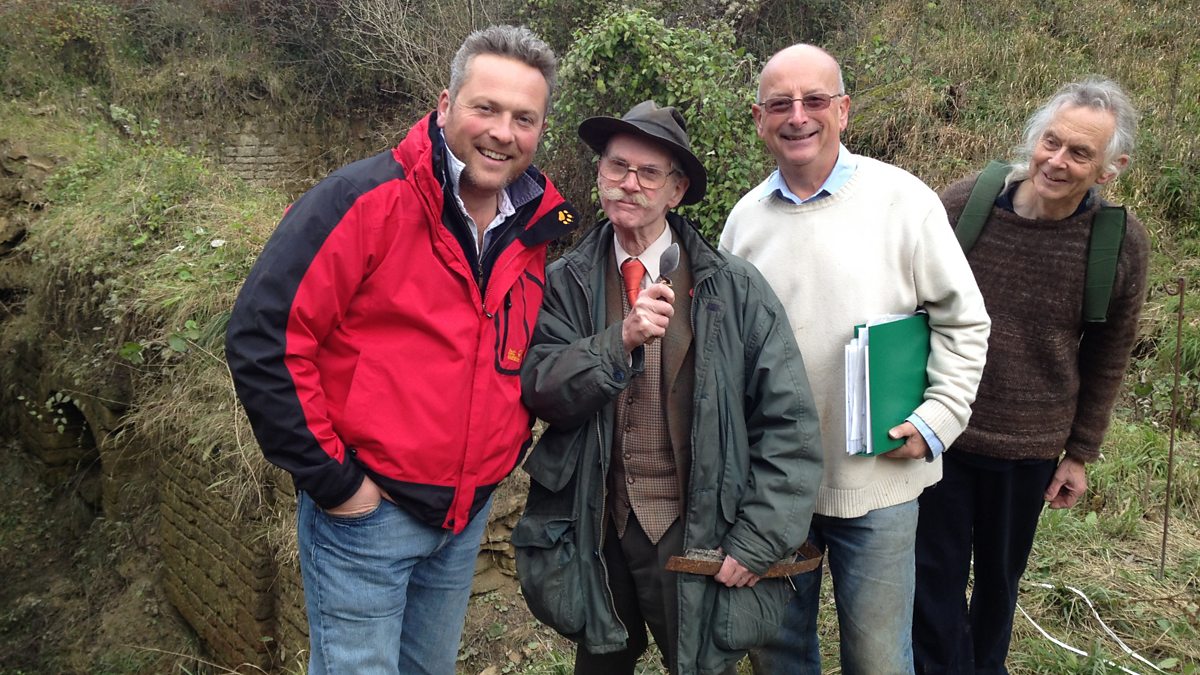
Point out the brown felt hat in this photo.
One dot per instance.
(663, 126)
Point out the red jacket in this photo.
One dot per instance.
(362, 343)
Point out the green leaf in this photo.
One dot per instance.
(131, 352)
(177, 343)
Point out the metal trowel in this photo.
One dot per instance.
(668, 263)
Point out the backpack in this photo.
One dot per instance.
(1104, 246)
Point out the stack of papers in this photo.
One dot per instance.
(885, 379)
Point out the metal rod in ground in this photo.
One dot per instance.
(1180, 287)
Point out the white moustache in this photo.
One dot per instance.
(617, 194)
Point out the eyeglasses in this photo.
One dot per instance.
(649, 177)
(780, 105)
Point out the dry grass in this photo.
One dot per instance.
(970, 72)
(1156, 618)
(938, 88)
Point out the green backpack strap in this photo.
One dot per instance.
(979, 205)
(1104, 248)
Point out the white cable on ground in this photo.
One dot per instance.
(1064, 645)
(1103, 625)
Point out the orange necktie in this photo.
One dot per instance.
(632, 271)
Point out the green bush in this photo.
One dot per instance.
(629, 56)
(545, 17)
(558, 21)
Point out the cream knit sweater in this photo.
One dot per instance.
(880, 245)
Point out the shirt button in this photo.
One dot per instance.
(631, 480)
(628, 455)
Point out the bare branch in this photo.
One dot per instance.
(410, 42)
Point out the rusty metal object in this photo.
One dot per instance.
(708, 562)
(1180, 288)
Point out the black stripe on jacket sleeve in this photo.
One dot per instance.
(256, 340)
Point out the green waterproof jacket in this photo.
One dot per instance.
(755, 451)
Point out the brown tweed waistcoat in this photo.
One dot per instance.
(651, 435)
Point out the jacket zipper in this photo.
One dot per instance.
(599, 553)
(526, 211)
(696, 283)
(479, 285)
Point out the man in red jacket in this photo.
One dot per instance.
(376, 347)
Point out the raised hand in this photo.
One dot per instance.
(649, 317)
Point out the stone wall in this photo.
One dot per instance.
(288, 157)
(245, 600)
(218, 572)
(261, 153)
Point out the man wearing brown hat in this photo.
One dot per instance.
(679, 418)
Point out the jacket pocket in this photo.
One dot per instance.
(553, 460)
(550, 570)
(515, 321)
(735, 469)
(744, 618)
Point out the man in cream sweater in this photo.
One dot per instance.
(844, 238)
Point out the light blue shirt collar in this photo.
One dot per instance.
(843, 169)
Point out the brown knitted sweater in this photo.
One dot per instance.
(1050, 380)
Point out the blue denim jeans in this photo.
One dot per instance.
(871, 561)
(385, 593)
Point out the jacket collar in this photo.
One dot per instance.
(423, 156)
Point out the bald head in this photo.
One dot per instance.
(801, 112)
(802, 57)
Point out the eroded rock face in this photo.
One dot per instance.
(238, 589)
(54, 422)
(21, 181)
(22, 176)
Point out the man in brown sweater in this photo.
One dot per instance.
(1050, 382)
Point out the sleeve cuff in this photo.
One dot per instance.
(936, 448)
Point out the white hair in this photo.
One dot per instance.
(1092, 92)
